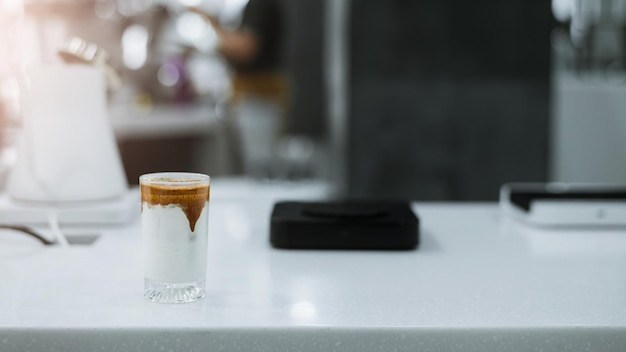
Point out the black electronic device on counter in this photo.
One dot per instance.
(384, 225)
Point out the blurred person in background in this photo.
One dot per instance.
(259, 88)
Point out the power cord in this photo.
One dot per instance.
(53, 222)
(30, 232)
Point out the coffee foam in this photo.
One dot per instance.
(190, 198)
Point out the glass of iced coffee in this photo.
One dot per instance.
(175, 222)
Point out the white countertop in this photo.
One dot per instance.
(476, 283)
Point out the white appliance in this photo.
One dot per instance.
(565, 204)
(67, 155)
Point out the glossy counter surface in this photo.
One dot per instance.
(478, 282)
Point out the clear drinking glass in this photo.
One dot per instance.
(175, 223)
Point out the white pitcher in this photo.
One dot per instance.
(67, 151)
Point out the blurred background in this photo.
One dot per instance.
(415, 99)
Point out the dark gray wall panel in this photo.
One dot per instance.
(448, 99)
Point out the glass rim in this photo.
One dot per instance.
(174, 178)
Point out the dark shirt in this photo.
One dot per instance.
(264, 18)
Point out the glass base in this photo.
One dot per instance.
(173, 293)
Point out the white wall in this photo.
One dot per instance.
(589, 129)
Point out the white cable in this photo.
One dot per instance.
(53, 222)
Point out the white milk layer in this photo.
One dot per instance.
(172, 252)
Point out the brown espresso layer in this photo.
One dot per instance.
(191, 199)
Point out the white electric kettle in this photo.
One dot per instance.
(67, 151)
